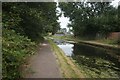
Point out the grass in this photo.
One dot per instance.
(67, 66)
(108, 41)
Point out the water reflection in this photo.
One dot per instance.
(67, 48)
(97, 62)
(91, 51)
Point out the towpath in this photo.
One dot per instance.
(43, 64)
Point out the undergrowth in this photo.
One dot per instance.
(15, 49)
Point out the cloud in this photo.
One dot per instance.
(115, 3)
(63, 21)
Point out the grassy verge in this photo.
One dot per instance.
(67, 66)
(109, 41)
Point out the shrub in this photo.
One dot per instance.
(15, 49)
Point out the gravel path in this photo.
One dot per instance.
(43, 64)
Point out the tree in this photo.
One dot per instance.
(31, 19)
(24, 24)
(88, 19)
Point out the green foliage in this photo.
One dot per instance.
(24, 23)
(15, 49)
(88, 19)
(30, 19)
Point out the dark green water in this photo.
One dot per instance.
(94, 62)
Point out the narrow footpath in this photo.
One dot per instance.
(43, 64)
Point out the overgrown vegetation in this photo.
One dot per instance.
(24, 25)
(15, 50)
(30, 19)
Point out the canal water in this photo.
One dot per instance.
(95, 62)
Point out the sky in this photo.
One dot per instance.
(115, 3)
(64, 20)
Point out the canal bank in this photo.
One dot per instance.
(68, 67)
(92, 42)
(89, 42)
(92, 62)
(107, 46)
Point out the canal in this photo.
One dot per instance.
(94, 61)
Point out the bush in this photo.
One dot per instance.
(15, 49)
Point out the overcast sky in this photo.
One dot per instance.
(64, 20)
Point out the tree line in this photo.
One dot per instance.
(30, 19)
(91, 18)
